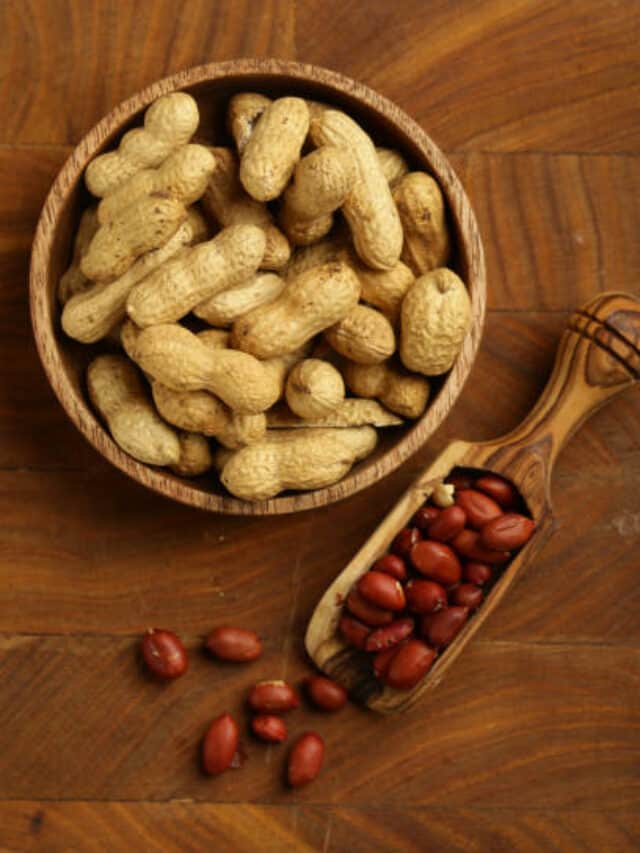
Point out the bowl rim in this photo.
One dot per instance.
(42, 307)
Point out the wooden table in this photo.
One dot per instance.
(533, 741)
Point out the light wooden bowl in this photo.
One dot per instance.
(212, 85)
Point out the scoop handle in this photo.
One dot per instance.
(598, 357)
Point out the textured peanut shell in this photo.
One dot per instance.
(273, 149)
(174, 356)
(352, 412)
(305, 232)
(393, 165)
(436, 315)
(364, 336)
(195, 455)
(244, 111)
(128, 334)
(202, 412)
(385, 289)
(422, 212)
(117, 392)
(314, 388)
(224, 308)
(145, 225)
(369, 208)
(90, 315)
(196, 275)
(227, 202)
(309, 304)
(183, 175)
(308, 459)
(321, 182)
(401, 392)
(73, 280)
(331, 248)
(169, 123)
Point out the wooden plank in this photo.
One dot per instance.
(556, 230)
(190, 828)
(497, 75)
(65, 64)
(515, 726)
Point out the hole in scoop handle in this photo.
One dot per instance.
(598, 357)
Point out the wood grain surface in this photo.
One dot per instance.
(533, 741)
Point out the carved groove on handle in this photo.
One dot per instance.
(600, 333)
(615, 329)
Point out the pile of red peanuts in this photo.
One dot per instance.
(166, 657)
(414, 600)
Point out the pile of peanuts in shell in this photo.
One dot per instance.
(415, 600)
(267, 306)
(166, 657)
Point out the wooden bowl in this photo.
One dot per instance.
(212, 85)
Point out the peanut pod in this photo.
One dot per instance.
(273, 149)
(117, 392)
(308, 459)
(142, 226)
(398, 390)
(436, 315)
(364, 336)
(183, 175)
(196, 275)
(169, 123)
(369, 208)
(89, 316)
(422, 213)
(175, 357)
(310, 303)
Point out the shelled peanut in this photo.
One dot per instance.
(413, 601)
(295, 231)
(166, 658)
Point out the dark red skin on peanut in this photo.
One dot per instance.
(353, 632)
(467, 595)
(404, 542)
(269, 728)
(219, 745)
(439, 629)
(273, 697)
(467, 544)
(425, 516)
(479, 508)
(392, 565)
(390, 635)
(234, 644)
(437, 561)
(409, 665)
(508, 532)
(164, 654)
(476, 573)
(325, 693)
(448, 524)
(500, 490)
(305, 759)
(366, 612)
(382, 590)
(382, 660)
(425, 596)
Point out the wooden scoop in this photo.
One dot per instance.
(598, 357)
